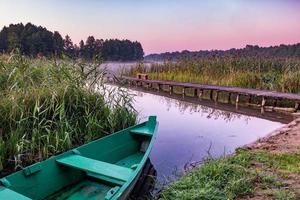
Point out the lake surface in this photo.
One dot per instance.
(190, 132)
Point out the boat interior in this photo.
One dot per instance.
(98, 170)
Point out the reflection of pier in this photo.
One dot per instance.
(265, 99)
(221, 110)
(145, 185)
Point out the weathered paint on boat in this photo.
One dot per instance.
(107, 168)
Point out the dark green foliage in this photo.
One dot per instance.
(122, 50)
(32, 41)
(112, 50)
(281, 51)
(69, 47)
(91, 49)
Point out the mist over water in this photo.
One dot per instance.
(117, 67)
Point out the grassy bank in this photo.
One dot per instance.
(281, 74)
(247, 174)
(48, 106)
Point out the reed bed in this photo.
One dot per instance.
(280, 74)
(50, 106)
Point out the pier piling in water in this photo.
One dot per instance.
(183, 92)
(217, 96)
(200, 94)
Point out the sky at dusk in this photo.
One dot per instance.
(165, 25)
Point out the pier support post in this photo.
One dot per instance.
(183, 92)
(170, 89)
(296, 106)
(217, 96)
(158, 87)
(200, 94)
(237, 100)
(263, 102)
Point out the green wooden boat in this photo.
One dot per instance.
(107, 169)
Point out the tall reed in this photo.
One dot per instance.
(50, 106)
(281, 74)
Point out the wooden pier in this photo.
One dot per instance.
(214, 91)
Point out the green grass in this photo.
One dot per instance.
(281, 74)
(49, 106)
(244, 174)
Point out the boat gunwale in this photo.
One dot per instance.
(127, 184)
(141, 164)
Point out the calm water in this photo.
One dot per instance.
(189, 132)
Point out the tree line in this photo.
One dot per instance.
(32, 40)
(249, 51)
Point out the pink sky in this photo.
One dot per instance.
(165, 25)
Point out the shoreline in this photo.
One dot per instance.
(267, 169)
(284, 139)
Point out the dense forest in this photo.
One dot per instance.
(248, 51)
(32, 40)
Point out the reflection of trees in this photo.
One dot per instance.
(208, 112)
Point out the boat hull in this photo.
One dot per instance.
(107, 168)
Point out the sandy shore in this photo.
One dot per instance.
(283, 140)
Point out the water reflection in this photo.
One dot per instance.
(144, 188)
(193, 104)
(189, 132)
(204, 111)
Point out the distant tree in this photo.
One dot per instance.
(14, 36)
(32, 40)
(89, 48)
(58, 43)
(69, 47)
(122, 50)
(98, 48)
(81, 48)
(3, 40)
(248, 51)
